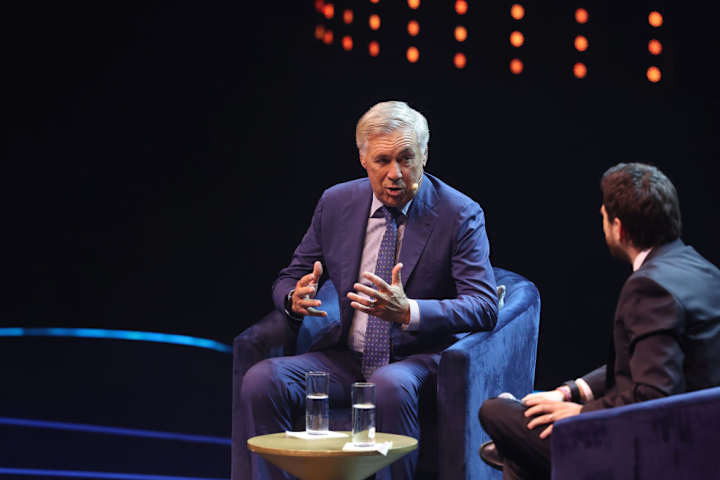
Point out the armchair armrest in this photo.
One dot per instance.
(480, 366)
(273, 336)
(673, 437)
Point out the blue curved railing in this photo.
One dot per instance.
(131, 432)
(117, 335)
(37, 472)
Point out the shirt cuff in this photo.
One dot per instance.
(414, 317)
(585, 390)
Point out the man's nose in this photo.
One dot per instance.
(395, 172)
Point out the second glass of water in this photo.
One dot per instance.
(316, 402)
(363, 414)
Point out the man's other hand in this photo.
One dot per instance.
(387, 301)
(303, 301)
(550, 412)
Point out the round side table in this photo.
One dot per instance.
(324, 459)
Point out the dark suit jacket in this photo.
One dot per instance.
(666, 332)
(444, 252)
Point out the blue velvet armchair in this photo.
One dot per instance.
(476, 367)
(669, 438)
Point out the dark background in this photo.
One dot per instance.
(164, 159)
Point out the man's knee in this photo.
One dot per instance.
(493, 410)
(394, 395)
(490, 408)
(260, 382)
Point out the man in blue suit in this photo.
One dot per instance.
(408, 255)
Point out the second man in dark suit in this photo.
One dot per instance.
(666, 332)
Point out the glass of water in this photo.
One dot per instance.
(316, 402)
(363, 414)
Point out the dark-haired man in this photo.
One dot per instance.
(666, 335)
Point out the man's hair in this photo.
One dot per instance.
(387, 117)
(645, 201)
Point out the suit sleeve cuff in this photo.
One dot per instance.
(288, 311)
(414, 317)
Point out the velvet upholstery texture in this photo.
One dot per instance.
(478, 366)
(669, 438)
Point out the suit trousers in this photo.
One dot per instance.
(526, 455)
(273, 394)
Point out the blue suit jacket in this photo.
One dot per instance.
(445, 254)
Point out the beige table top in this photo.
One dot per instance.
(324, 459)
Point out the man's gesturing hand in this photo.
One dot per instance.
(387, 302)
(305, 289)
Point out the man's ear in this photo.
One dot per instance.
(425, 157)
(363, 161)
(619, 230)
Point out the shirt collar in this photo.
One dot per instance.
(637, 263)
(377, 204)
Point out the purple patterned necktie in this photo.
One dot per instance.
(377, 333)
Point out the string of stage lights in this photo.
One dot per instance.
(348, 19)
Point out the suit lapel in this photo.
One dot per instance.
(355, 217)
(420, 223)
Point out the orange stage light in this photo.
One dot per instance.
(461, 7)
(654, 74)
(374, 21)
(460, 33)
(655, 47)
(374, 1)
(329, 10)
(579, 70)
(414, 4)
(516, 66)
(413, 54)
(319, 5)
(581, 15)
(328, 37)
(517, 39)
(581, 43)
(413, 28)
(347, 42)
(319, 32)
(655, 19)
(460, 60)
(517, 11)
(374, 48)
(348, 16)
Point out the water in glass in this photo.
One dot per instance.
(316, 413)
(363, 424)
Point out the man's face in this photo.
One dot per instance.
(612, 235)
(394, 163)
